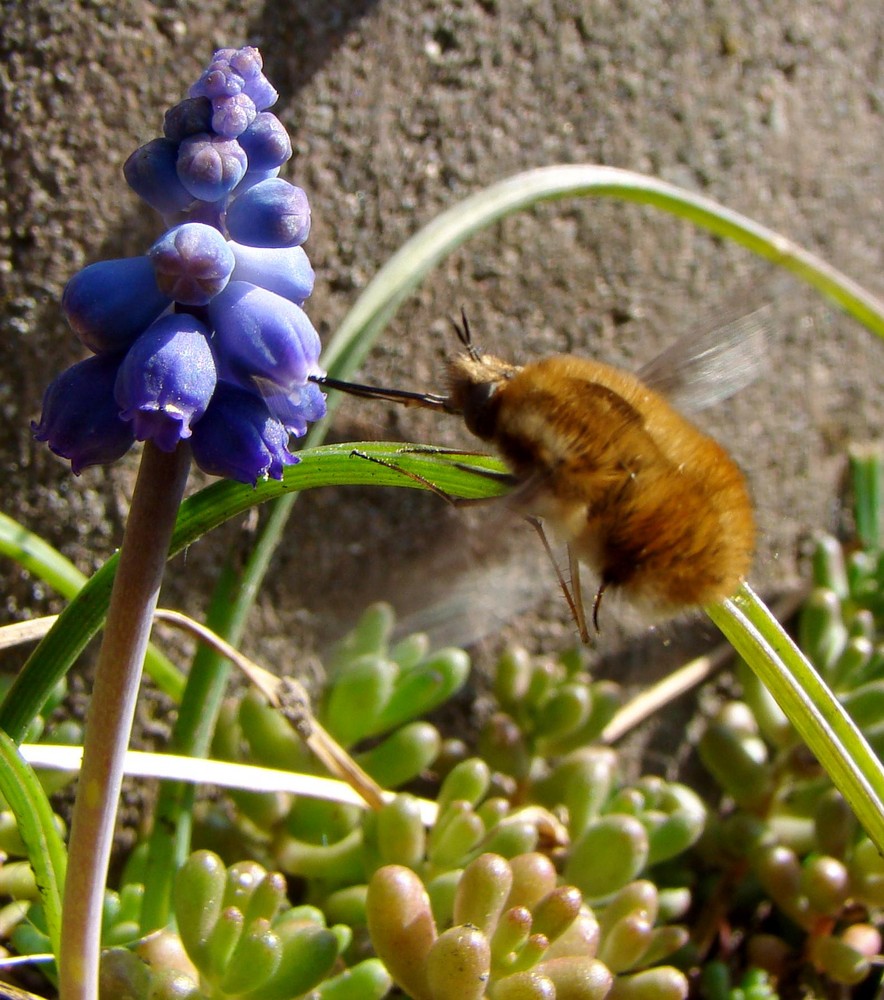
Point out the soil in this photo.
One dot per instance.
(397, 111)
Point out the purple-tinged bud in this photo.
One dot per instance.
(217, 80)
(152, 173)
(262, 92)
(299, 408)
(231, 116)
(110, 303)
(273, 213)
(263, 339)
(188, 117)
(285, 270)
(239, 439)
(193, 262)
(81, 419)
(210, 166)
(266, 142)
(166, 380)
(247, 62)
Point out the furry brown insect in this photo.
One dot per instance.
(655, 506)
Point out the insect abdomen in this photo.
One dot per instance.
(684, 539)
(654, 505)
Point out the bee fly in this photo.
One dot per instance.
(656, 507)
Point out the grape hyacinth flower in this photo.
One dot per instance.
(200, 348)
(166, 380)
(204, 338)
(81, 417)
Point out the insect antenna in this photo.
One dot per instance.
(425, 400)
(465, 336)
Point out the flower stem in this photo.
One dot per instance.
(158, 493)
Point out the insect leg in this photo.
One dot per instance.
(575, 600)
(495, 475)
(577, 593)
(597, 603)
(435, 449)
(426, 483)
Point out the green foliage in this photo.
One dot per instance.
(470, 904)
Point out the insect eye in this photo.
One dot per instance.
(480, 408)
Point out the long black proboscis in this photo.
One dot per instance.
(428, 400)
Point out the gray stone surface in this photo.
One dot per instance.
(398, 110)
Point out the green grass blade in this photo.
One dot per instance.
(810, 706)
(41, 560)
(330, 465)
(23, 792)
(405, 269)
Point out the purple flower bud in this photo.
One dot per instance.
(193, 262)
(81, 419)
(262, 339)
(152, 174)
(231, 116)
(218, 80)
(210, 166)
(110, 303)
(273, 213)
(286, 270)
(301, 407)
(166, 380)
(188, 117)
(266, 142)
(239, 439)
(247, 62)
(262, 92)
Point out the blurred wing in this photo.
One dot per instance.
(482, 601)
(700, 370)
